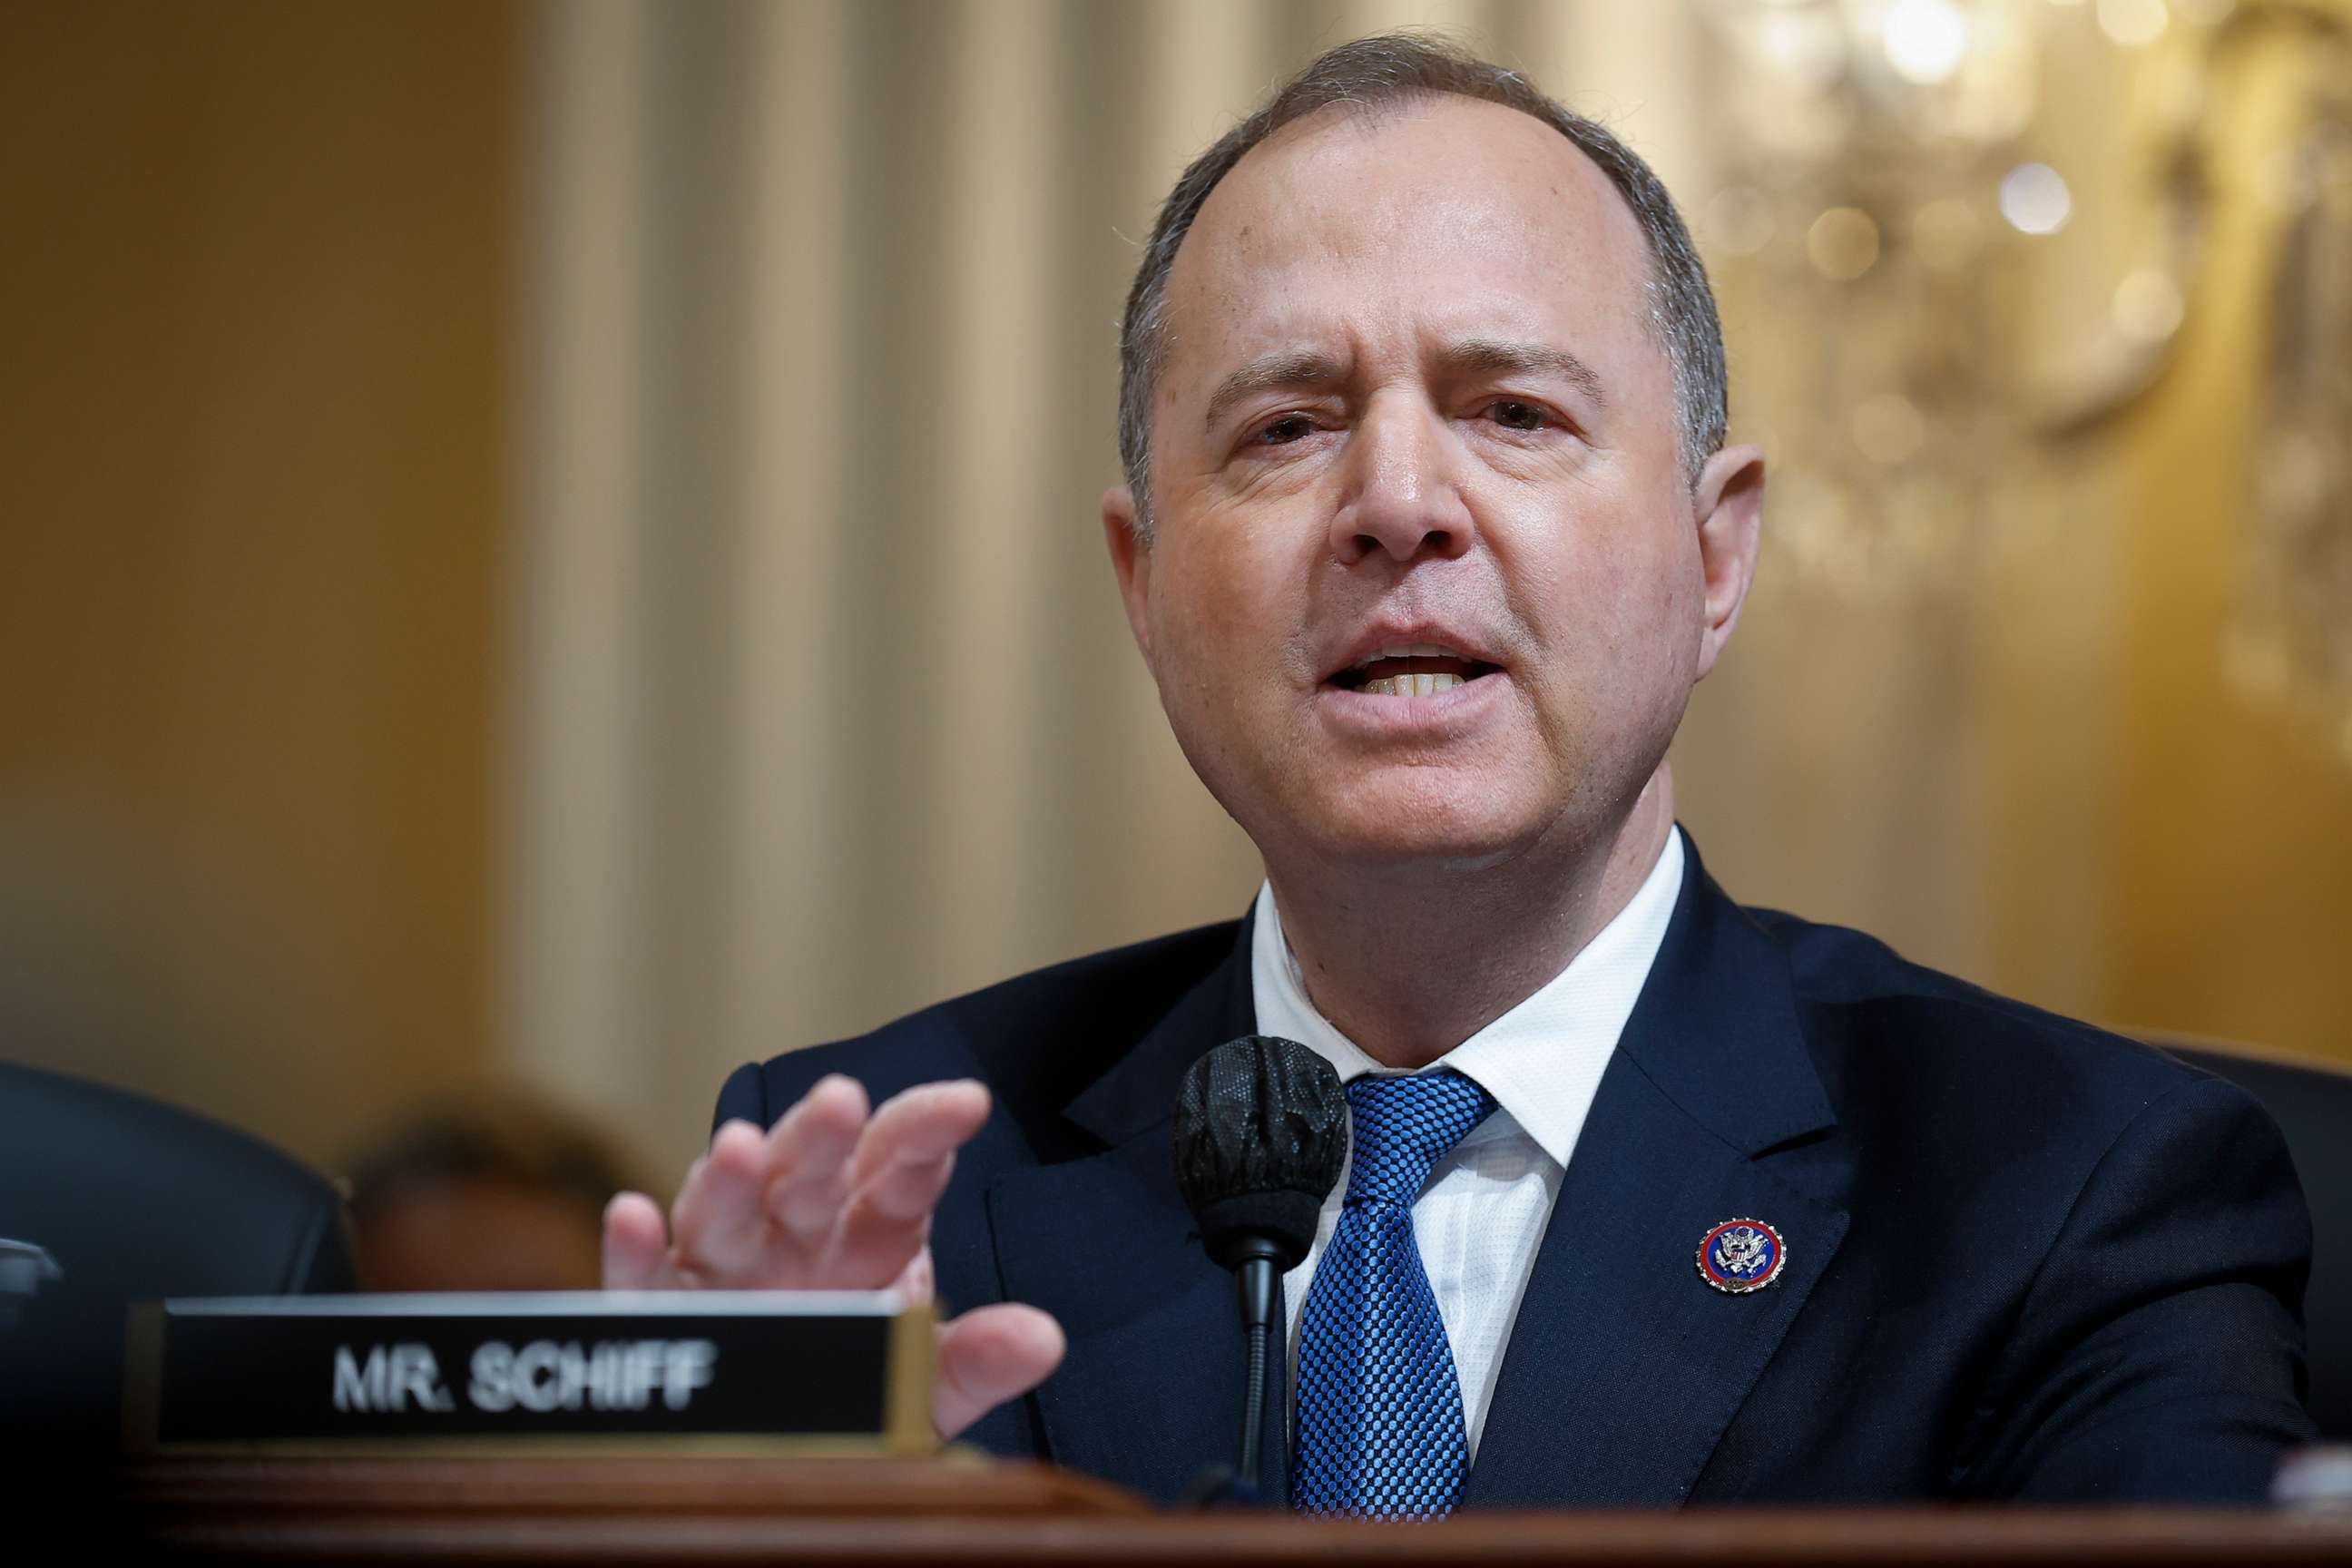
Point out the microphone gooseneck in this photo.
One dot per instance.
(1261, 1130)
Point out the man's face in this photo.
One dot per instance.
(1410, 401)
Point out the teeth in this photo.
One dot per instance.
(1410, 685)
(1411, 650)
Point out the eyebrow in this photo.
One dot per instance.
(1311, 367)
(1284, 367)
(1536, 359)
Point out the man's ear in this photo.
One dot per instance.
(1131, 558)
(1728, 508)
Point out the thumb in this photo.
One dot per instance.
(987, 1357)
(637, 1245)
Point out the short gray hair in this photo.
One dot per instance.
(1392, 69)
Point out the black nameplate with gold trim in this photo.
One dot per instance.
(846, 1372)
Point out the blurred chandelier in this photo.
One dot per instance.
(1874, 237)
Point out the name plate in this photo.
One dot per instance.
(718, 1371)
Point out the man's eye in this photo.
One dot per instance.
(1516, 416)
(1288, 428)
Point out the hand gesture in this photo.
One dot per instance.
(836, 1198)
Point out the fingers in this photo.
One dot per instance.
(918, 1281)
(901, 1166)
(808, 1158)
(987, 1357)
(637, 1245)
(915, 1128)
(832, 1198)
(716, 1222)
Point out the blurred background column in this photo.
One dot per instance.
(255, 299)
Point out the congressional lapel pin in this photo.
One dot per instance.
(1740, 1255)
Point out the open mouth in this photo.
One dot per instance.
(1418, 669)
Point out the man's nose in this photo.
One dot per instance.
(1403, 499)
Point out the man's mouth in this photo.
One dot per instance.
(1416, 669)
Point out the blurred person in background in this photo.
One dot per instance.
(495, 1190)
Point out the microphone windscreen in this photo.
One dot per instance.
(1261, 1130)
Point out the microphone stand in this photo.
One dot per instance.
(1257, 1270)
(1255, 1277)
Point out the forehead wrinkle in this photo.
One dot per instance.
(1312, 367)
(1519, 214)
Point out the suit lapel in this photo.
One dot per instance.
(1151, 1388)
(1624, 1366)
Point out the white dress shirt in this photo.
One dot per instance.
(1482, 1218)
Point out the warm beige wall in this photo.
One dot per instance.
(785, 687)
(2231, 821)
(253, 293)
(2164, 851)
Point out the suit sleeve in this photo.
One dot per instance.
(2159, 1356)
(743, 1097)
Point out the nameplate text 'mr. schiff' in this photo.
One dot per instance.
(814, 1371)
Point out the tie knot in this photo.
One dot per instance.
(1402, 1127)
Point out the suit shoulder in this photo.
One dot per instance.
(1036, 1039)
(1863, 998)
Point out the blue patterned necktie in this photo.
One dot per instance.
(1379, 1408)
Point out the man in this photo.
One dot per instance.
(1429, 531)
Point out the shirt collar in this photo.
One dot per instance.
(1543, 1060)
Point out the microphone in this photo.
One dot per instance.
(1261, 1130)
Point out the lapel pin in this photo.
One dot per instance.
(1740, 1255)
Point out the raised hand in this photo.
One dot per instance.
(834, 1198)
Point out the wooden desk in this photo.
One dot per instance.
(684, 1510)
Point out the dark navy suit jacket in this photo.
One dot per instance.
(2025, 1260)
